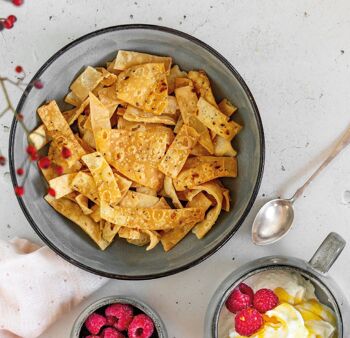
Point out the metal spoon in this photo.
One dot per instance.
(275, 218)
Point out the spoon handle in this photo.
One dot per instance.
(343, 142)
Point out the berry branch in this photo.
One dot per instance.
(31, 150)
(8, 23)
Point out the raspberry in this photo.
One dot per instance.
(111, 321)
(109, 332)
(122, 313)
(141, 327)
(240, 298)
(44, 163)
(94, 323)
(66, 153)
(248, 322)
(265, 300)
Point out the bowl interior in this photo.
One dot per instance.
(122, 260)
(322, 292)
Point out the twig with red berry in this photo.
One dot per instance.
(32, 153)
(31, 150)
(8, 23)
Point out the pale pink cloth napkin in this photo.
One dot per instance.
(37, 287)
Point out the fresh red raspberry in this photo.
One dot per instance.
(94, 323)
(66, 153)
(248, 322)
(265, 300)
(110, 332)
(44, 163)
(111, 320)
(123, 314)
(141, 327)
(240, 298)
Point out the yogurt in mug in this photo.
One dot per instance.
(298, 314)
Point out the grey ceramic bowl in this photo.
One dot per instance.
(158, 324)
(122, 260)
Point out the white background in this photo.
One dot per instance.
(294, 56)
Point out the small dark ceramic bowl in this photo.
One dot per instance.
(122, 260)
(159, 328)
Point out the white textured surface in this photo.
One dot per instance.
(294, 56)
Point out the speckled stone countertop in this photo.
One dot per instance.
(294, 56)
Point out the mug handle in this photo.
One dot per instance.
(328, 252)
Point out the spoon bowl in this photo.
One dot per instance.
(273, 221)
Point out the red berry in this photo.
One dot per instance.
(12, 18)
(44, 163)
(17, 2)
(8, 24)
(38, 84)
(59, 170)
(34, 157)
(31, 150)
(265, 300)
(240, 298)
(123, 314)
(111, 320)
(94, 323)
(109, 332)
(141, 327)
(52, 192)
(19, 191)
(248, 322)
(2, 160)
(66, 153)
(20, 171)
(19, 69)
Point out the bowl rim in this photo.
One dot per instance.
(123, 299)
(251, 201)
